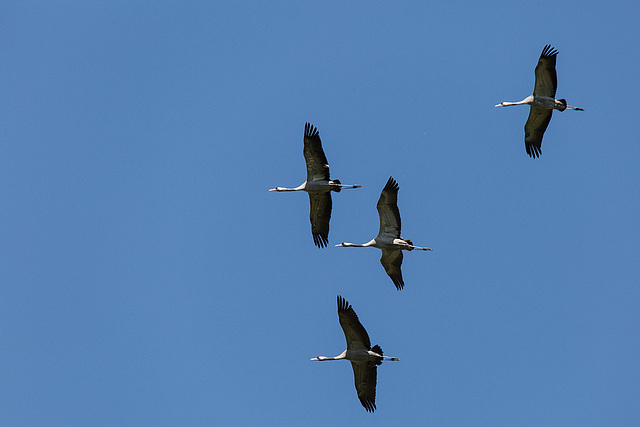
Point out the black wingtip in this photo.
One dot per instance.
(320, 241)
(548, 51)
(310, 130)
(391, 185)
(368, 406)
(343, 304)
(533, 151)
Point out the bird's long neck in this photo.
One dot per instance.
(300, 188)
(339, 357)
(355, 245)
(527, 100)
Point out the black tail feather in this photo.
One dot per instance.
(411, 243)
(564, 104)
(376, 349)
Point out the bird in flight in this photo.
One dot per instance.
(542, 102)
(388, 239)
(318, 185)
(364, 358)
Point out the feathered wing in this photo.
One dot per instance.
(320, 215)
(355, 334)
(534, 128)
(391, 260)
(317, 165)
(546, 77)
(388, 211)
(365, 377)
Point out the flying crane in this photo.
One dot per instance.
(542, 102)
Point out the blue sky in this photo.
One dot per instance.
(149, 278)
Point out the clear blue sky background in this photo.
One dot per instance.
(149, 278)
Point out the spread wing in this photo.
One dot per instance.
(388, 210)
(391, 260)
(355, 334)
(365, 377)
(534, 130)
(320, 215)
(317, 165)
(546, 77)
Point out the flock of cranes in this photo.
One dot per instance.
(363, 357)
